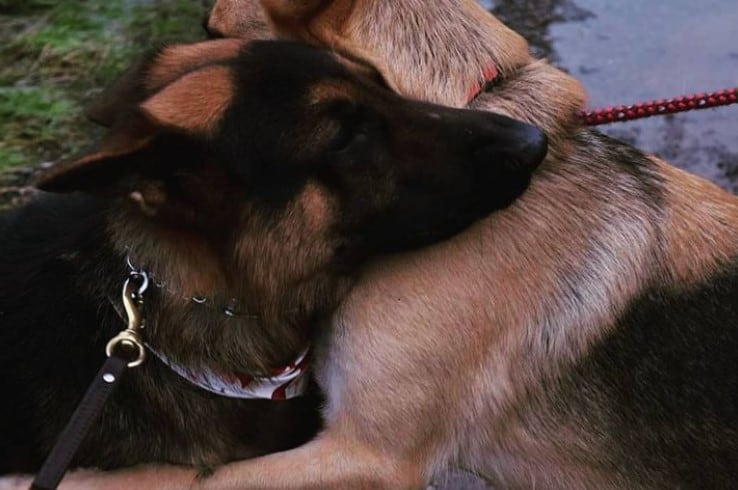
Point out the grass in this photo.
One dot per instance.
(55, 55)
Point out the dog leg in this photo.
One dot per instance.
(143, 478)
(331, 461)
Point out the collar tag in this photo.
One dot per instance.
(288, 382)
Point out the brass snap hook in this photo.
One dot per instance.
(130, 338)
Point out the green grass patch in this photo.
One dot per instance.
(56, 55)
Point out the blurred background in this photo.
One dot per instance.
(55, 55)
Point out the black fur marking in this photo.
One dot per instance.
(627, 160)
(662, 390)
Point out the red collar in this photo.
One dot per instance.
(490, 76)
(287, 382)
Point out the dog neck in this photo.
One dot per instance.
(542, 95)
(283, 383)
(449, 52)
(196, 318)
(463, 49)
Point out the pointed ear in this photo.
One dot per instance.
(154, 72)
(194, 104)
(99, 168)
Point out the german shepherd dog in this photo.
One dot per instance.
(256, 176)
(585, 337)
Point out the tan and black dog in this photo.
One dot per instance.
(251, 186)
(586, 337)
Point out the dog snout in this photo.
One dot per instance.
(517, 146)
(493, 140)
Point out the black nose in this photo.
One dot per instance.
(527, 148)
(513, 145)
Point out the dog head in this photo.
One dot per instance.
(273, 170)
(442, 52)
(448, 53)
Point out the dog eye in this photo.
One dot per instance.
(347, 135)
(352, 127)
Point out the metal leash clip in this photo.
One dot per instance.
(130, 338)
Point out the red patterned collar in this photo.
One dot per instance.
(288, 382)
(489, 78)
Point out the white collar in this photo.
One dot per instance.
(288, 382)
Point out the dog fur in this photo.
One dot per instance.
(583, 338)
(268, 172)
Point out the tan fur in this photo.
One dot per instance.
(315, 205)
(243, 16)
(432, 356)
(436, 357)
(542, 95)
(170, 64)
(475, 340)
(179, 59)
(195, 103)
(293, 253)
(367, 29)
(701, 225)
(443, 76)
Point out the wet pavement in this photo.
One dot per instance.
(628, 51)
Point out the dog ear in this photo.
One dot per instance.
(95, 170)
(195, 103)
(191, 106)
(154, 72)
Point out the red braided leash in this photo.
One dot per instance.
(660, 107)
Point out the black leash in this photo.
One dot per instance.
(124, 351)
(82, 420)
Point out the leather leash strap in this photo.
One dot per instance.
(125, 350)
(84, 417)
